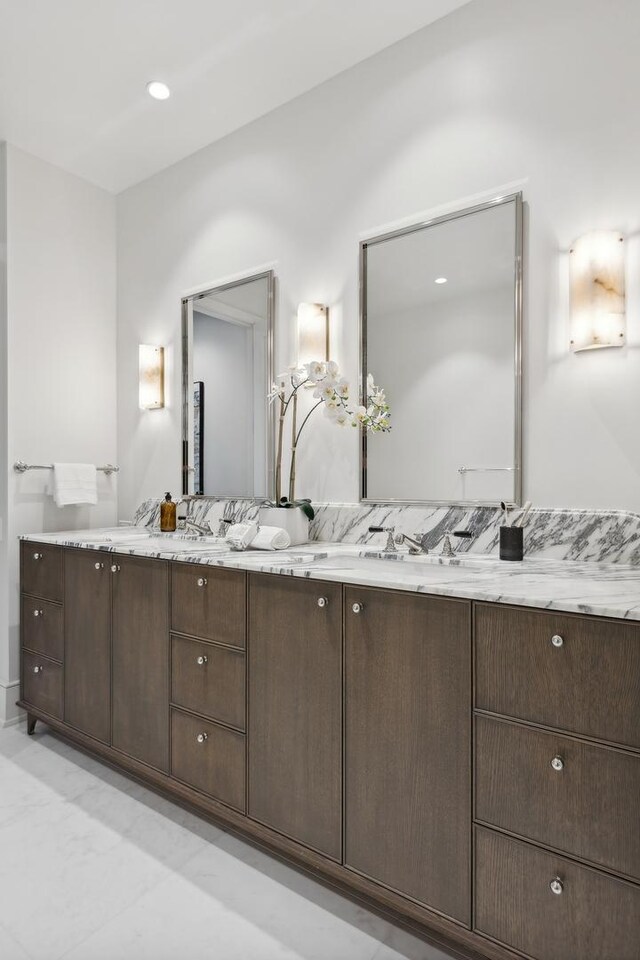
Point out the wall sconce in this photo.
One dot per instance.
(596, 270)
(313, 332)
(151, 376)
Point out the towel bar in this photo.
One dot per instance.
(21, 467)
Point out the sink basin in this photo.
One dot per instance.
(180, 545)
(434, 559)
(126, 534)
(404, 571)
(278, 558)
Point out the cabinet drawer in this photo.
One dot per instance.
(208, 679)
(209, 603)
(42, 683)
(41, 570)
(208, 757)
(589, 683)
(588, 807)
(42, 627)
(593, 915)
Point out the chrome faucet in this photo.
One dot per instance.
(416, 545)
(390, 545)
(447, 549)
(224, 524)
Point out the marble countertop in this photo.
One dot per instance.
(600, 589)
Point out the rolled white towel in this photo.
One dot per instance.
(271, 538)
(241, 535)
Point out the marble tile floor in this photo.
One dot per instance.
(96, 867)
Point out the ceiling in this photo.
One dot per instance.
(73, 73)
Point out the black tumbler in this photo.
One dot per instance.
(511, 543)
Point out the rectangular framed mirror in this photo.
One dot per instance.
(441, 331)
(227, 370)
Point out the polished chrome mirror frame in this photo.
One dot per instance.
(187, 468)
(515, 198)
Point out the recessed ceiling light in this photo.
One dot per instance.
(440, 280)
(158, 90)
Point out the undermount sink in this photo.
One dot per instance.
(279, 558)
(434, 559)
(404, 569)
(175, 545)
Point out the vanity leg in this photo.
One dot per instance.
(31, 724)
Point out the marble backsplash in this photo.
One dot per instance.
(611, 536)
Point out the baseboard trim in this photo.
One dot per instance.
(10, 712)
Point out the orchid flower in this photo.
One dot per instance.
(331, 391)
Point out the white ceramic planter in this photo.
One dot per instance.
(293, 520)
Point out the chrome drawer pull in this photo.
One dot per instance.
(557, 763)
(114, 568)
(38, 669)
(557, 640)
(202, 660)
(202, 581)
(556, 886)
(38, 613)
(358, 607)
(98, 565)
(37, 556)
(323, 601)
(202, 737)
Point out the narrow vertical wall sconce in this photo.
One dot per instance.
(313, 332)
(151, 376)
(596, 269)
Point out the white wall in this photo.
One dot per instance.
(499, 92)
(61, 355)
(6, 690)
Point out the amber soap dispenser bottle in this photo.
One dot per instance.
(167, 514)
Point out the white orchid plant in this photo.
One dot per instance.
(332, 392)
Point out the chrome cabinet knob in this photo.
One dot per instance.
(357, 607)
(38, 613)
(323, 601)
(202, 660)
(557, 640)
(38, 669)
(202, 737)
(37, 556)
(202, 581)
(556, 886)
(114, 568)
(557, 763)
(98, 565)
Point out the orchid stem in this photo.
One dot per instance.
(292, 471)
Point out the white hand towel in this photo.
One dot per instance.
(74, 483)
(271, 538)
(241, 535)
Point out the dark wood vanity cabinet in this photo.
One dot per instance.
(140, 659)
(295, 709)
(87, 641)
(42, 628)
(408, 745)
(557, 781)
(334, 725)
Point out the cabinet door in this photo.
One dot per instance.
(87, 611)
(295, 709)
(408, 745)
(141, 659)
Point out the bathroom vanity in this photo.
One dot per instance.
(471, 768)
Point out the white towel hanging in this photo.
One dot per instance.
(74, 483)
